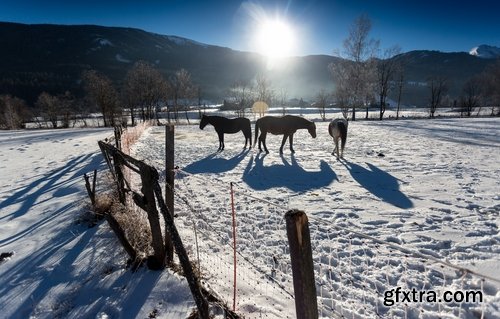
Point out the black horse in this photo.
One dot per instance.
(286, 125)
(230, 126)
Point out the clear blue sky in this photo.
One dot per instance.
(320, 26)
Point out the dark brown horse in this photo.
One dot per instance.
(286, 126)
(230, 126)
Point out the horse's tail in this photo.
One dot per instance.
(256, 132)
(343, 132)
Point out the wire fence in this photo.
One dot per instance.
(261, 284)
(357, 275)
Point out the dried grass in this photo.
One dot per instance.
(132, 135)
(135, 224)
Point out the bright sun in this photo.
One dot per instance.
(275, 39)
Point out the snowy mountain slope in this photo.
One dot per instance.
(485, 51)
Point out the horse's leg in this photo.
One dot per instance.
(291, 144)
(334, 143)
(221, 141)
(283, 143)
(337, 146)
(246, 141)
(342, 148)
(260, 142)
(263, 139)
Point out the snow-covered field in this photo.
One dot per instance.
(431, 186)
(435, 190)
(62, 269)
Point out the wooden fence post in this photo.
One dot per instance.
(169, 183)
(304, 286)
(149, 177)
(90, 189)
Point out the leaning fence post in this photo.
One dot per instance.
(169, 182)
(299, 240)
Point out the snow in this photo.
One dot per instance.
(103, 42)
(430, 186)
(183, 41)
(120, 58)
(62, 269)
(485, 51)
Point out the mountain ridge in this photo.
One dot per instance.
(48, 57)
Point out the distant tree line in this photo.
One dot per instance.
(143, 93)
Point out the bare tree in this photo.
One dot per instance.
(471, 95)
(100, 91)
(67, 111)
(321, 102)
(144, 88)
(13, 112)
(400, 81)
(491, 87)
(438, 88)
(181, 88)
(241, 96)
(264, 92)
(282, 97)
(49, 107)
(355, 75)
(387, 68)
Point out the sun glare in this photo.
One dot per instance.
(275, 39)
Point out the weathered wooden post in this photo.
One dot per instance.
(169, 183)
(299, 240)
(90, 190)
(149, 176)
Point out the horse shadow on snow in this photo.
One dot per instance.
(289, 175)
(380, 183)
(214, 164)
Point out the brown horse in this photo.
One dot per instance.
(286, 126)
(230, 126)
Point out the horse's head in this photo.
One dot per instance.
(203, 122)
(312, 129)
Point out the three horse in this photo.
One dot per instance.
(229, 126)
(286, 126)
(338, 130)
